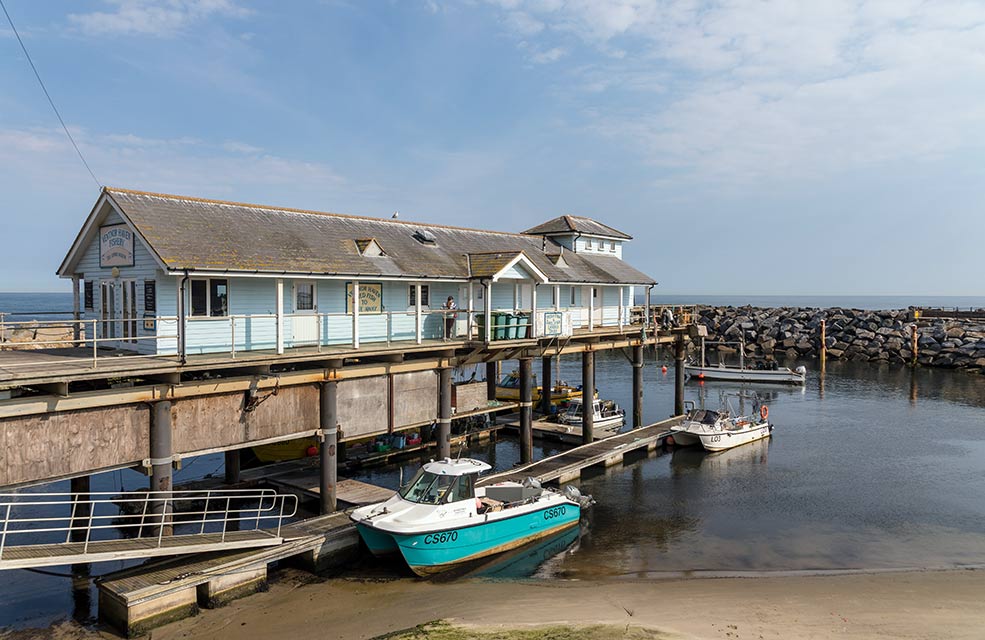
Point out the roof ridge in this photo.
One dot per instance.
(171, 196)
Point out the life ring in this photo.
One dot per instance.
(764, 412)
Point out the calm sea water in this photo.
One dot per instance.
(871, 466)
(22, 307)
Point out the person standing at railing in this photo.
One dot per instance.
(451, 307)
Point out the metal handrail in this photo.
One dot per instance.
(271, 508)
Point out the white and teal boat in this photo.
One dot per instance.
(440, 519)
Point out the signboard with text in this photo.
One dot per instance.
(370, 297)
(115, 246)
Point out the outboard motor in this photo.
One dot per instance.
(802, 370)
(572, 493)
(531, 483)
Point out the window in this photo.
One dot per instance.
(572, 296)
(431, 488)
(612, 246)
(595, 293)
(588, 243)
(210, 297)
(412, 295)
(305, 296)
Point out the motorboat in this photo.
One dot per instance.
(608, 416)
(441, 519)
(762, 371)
(509, 389)
(721, 430)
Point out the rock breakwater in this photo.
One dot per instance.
(850, 334)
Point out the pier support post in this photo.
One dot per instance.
(76, 311)
(638, 386)
(160, 460)
(490, 381)
(444, 412)
(328, 419)
(546, 385)
(679, 376)
(588, 396)
(232, 466)
(526, 412)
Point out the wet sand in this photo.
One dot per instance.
(932, 604)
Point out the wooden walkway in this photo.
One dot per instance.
(47, 555)
(547, 430)
(567, 466)
(306, 485)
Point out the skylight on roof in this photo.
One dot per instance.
(425, 237)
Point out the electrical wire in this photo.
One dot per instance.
(47, 95)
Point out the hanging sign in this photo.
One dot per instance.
(370, 297)
(115, 246)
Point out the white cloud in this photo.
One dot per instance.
(153, 17)
(751, 89)
(551, 55)
(180, 165)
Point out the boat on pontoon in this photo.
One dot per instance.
(762, 371)
(722, 429)
(441, 520)
(608, 416)
(509, 389)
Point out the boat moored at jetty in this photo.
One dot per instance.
(608, 416)
(509, 389)
(440, 519)
(721, 430)
(764, 372)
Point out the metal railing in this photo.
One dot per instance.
(87, 518)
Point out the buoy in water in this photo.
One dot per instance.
(669, 441)
(663, 369)
(701, 376)
(312, 451)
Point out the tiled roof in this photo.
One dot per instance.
(207, 235)
(577, 224)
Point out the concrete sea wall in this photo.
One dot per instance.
(850, 334)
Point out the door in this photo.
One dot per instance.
(107, 313)
(462, 318)
(128, 312)
(305, 320)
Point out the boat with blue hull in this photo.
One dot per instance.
(441, 520)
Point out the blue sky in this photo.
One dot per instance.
(749, 147)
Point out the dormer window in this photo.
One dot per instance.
(370, 248)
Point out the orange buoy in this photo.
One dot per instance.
(764, 411)
(312, 451)
(701, 376)
(663, 369)
(669, 441)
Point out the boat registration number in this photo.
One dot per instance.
(555, 512)
(441, 538)
(715, 439)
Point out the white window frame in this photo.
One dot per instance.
(572, 296)
(208, 298)
(425, 295)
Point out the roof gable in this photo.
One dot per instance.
(568, 224)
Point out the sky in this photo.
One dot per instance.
(749, 147)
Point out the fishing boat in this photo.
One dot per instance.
(509, 389)
(767, 372)
(608, 416)
(721, 430)
(441, 520)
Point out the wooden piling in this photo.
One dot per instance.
(638, 386)
(823, 350)
(491, 380)
(545, 386)
(679, 376)
(232, 466)
(914, 344)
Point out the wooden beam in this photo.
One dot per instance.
(172, 378)
(54, 388)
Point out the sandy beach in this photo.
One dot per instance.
(932, 604)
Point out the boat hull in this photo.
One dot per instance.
(380, 543)
(729, 439)
(732, 374)
(557, 396)
(428, 553)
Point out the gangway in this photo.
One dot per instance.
(46, 529)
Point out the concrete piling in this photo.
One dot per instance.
(444, 412)
(526, 411)
(329, 424)
(161, 457)
(588, 396)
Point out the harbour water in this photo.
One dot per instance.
(871, 466)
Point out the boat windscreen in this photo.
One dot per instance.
(705, 416)
(431, 488)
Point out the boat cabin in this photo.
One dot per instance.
(444, 481)
(161, 274)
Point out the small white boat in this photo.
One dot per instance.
(608, 416)
(741, 373)
(719, 430)
(440, 519)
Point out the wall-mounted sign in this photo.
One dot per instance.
(115, 246)
(370, 297)
(150, 296)
(87, 295)
(149, 322)
(553, 323)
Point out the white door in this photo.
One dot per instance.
(128, 312)
(462, 318)
(107, 313)
(305, 320)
